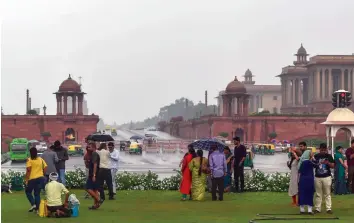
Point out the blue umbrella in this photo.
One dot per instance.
(205, 144)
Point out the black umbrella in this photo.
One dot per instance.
(205, 144)
(136, 137)
(100, 138)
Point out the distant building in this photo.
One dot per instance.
(262, 97)
(307, 86)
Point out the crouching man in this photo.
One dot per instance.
(54, 190)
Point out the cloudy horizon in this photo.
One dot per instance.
(137, 56)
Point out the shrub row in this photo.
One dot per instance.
(254, 180)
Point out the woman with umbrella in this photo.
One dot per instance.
(186, 182)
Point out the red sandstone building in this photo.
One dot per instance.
(306, 94)
(66, 125)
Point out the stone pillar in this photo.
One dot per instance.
(74, 104)
(61, 104)
(299, 92)
(286, 92)
(80, 99)
(293, 102)
(245, 106)
(330, 83)
(239, 105)
(224, 106)
(342, 79)
(65, 105)
(283, 91)
(318, 84)
(310, 87)
(58, 105)
(323, 84)
(233, 106)
(351, 82)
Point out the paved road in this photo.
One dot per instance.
(163, 164)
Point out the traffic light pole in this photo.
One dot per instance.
(341, 99)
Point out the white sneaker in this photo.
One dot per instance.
(32, 208)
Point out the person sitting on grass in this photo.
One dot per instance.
(54, 190)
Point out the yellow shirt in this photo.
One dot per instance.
(53, 191)
(37, 166)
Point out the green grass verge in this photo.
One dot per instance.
(165, 206)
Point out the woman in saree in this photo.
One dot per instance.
(340, 167)
(186, 182)
(199, 168)
(229, 158)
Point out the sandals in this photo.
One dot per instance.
(95, 207)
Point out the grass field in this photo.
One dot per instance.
(165, 206)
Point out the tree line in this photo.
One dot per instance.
(183, 108)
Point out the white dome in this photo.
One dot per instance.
(340, 116)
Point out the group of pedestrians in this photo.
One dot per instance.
(49, 169)
(218, 167)
(43, 173)
(311, 176)
(101, 167)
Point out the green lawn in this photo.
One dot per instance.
(161, 206)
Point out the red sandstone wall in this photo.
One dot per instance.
(223, 126)
(31, 127)
(258, 128)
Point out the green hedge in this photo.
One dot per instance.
(254, 180)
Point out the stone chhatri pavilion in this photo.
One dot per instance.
(65, 126)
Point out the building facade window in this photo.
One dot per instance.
(275, 98)
(275, 110)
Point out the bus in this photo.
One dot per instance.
(19, 149)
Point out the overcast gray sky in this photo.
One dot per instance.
(136, 56)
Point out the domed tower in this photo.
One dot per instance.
(235, 99)
(69, 88)
(248, 78)
(301, 57)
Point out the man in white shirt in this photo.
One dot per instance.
(104, 172)
(114, 159)
(54, 190)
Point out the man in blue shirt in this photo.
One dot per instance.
(218, 169)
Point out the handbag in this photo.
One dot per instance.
(43, 210)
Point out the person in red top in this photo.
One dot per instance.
(350, 160)
(186, 183)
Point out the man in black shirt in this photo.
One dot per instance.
(239, 158)
(92, 184)
(323, 178)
